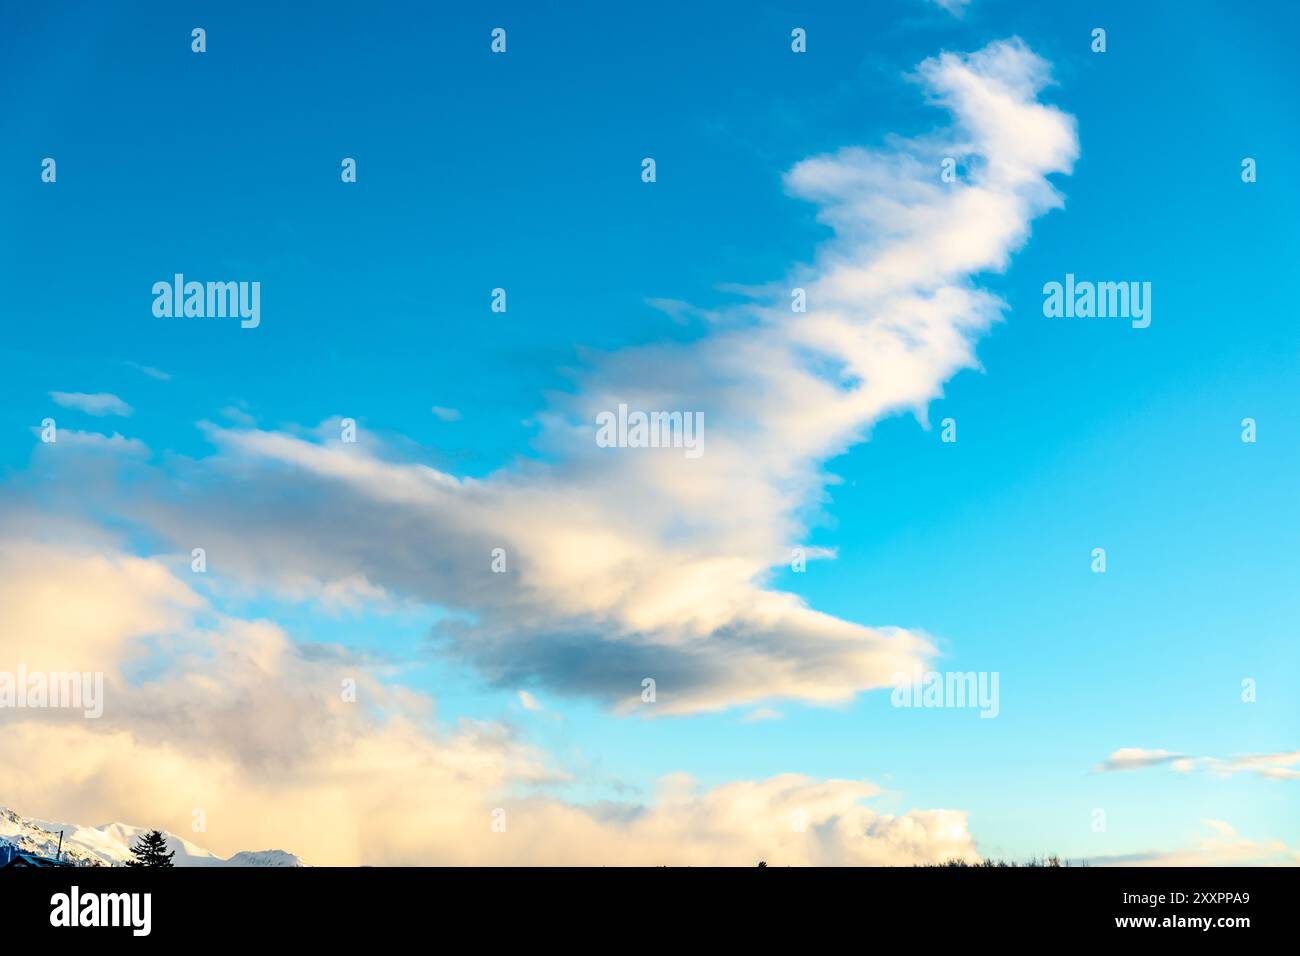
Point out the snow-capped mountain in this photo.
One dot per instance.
(110, 844)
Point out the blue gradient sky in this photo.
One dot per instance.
(523, 171)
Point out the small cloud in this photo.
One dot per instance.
(763, 713)
(528, 701)
(1279, 773)
(445, 414)
(1222, 846)
(238, 416)
(955, 7)
(151, 371)
(116, 443)
(1134, 758)
(97, 403)
(1273, 766)
(681, 312)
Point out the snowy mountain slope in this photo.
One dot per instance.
(30, 837)
(110, 844)
(263, 858)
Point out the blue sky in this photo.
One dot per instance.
(523, 171)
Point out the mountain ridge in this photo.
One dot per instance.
(110, 844)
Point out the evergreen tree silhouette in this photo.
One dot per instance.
(150, 849)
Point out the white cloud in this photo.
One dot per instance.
(1224, 847)
(632, 564)
(1275, 766)
(95, 443)
(445, 414)
(152, 372)
(97, 403)
(1133, 758)
(230, 716)
(528, 701)
(955, 7)
(241, 418)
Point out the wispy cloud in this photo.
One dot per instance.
(1276, 766)
(1223, 846)
(955, 7)
(151, 371)
(445, 414)
(239, 416)
(213, 711)
(1134, 758)
(621, 566)
(92, 403)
